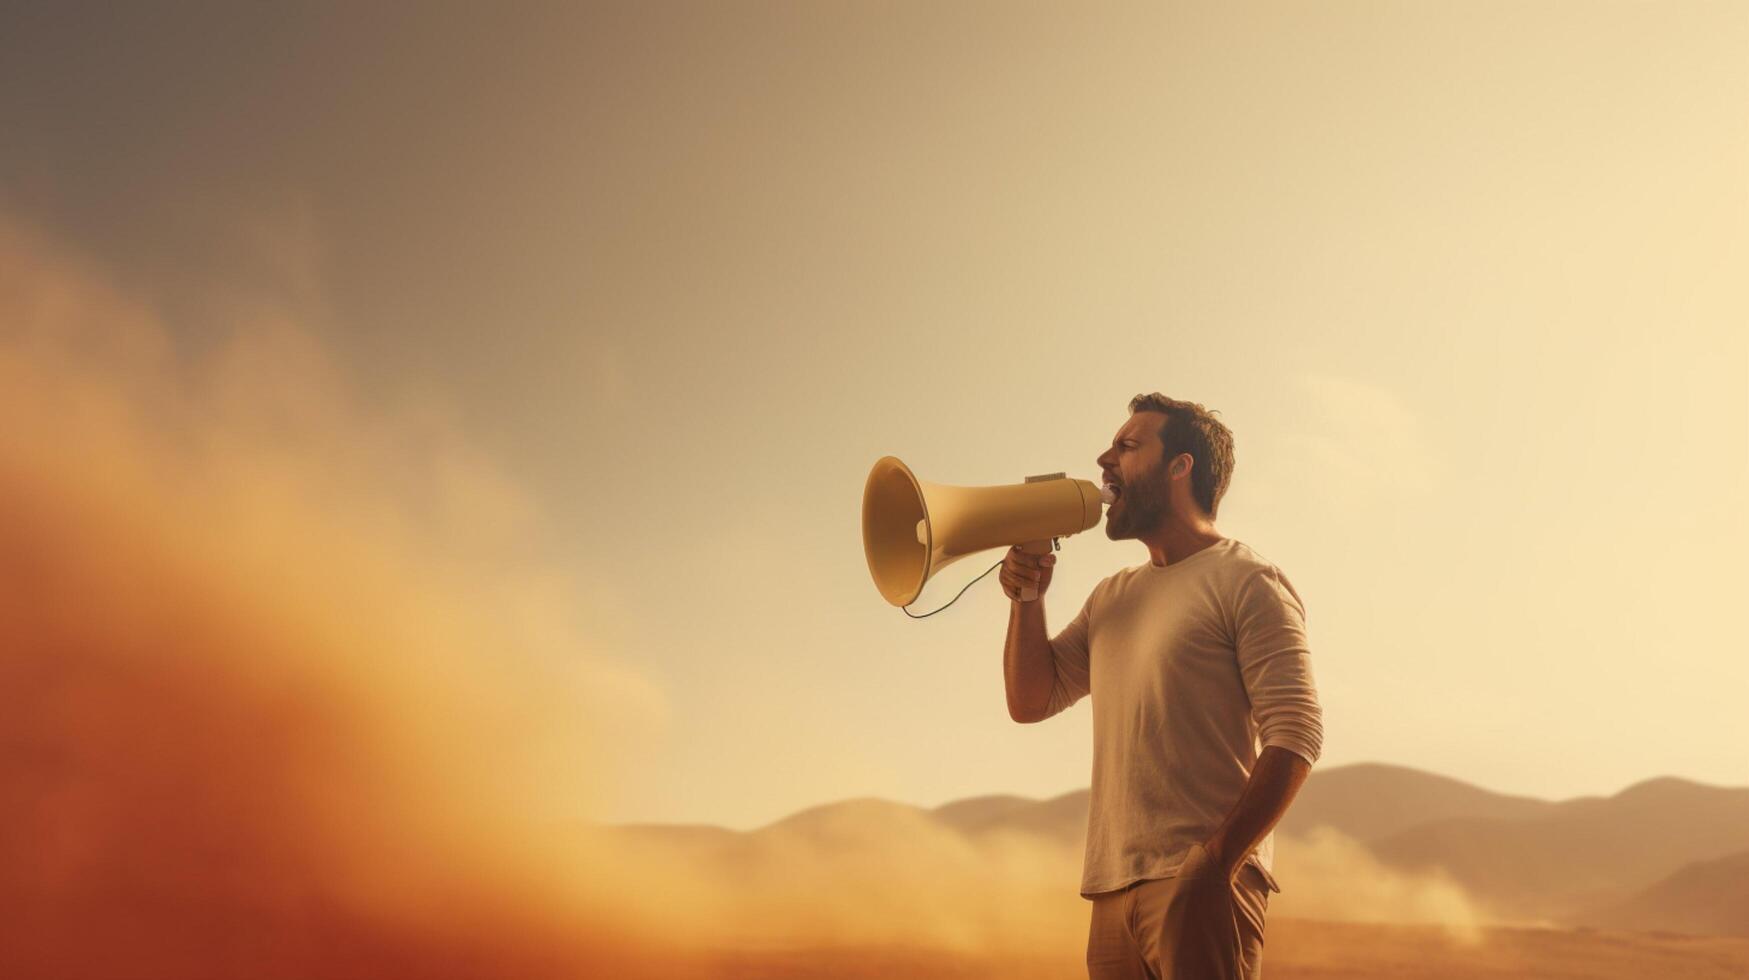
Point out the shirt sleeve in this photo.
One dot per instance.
(1276, 664)
(1069, 654)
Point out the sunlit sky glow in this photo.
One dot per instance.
(1466, 281)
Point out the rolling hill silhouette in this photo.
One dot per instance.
(1581, 853)
(1703, 897)
(1370, 800)
(1664, 854)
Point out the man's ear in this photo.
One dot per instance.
(1175, 471)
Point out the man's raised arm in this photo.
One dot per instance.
(1043, 675)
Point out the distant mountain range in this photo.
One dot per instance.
(1584, 854)
(1665, 854)
(1706, 896)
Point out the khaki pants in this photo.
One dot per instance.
(1197, 926)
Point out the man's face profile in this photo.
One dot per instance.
(1135, 468)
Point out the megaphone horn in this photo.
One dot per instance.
(912, 529)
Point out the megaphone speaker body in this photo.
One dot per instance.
(912, 529)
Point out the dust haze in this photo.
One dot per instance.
(280, 692)
(286, 689)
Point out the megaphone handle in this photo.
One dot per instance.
(1028, 593)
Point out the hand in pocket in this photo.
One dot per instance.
(1197, 863)
(1200, 933)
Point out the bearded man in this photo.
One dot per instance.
(1191, 660)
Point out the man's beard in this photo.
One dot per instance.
(1138, 511)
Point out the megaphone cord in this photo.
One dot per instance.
(956, 597)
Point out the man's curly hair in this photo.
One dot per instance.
(1192, 429)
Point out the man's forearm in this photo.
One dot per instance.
(1275, 780)
(1026, 662)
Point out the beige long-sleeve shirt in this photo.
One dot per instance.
(1189, 665)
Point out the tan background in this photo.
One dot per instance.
(1466, 281)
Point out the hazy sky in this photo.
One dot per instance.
(1466, 280)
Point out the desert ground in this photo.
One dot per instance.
(1296, 949)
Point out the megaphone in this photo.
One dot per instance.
(912, 529)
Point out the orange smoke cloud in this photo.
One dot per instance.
(280, 694)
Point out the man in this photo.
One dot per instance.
(1189, 659)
